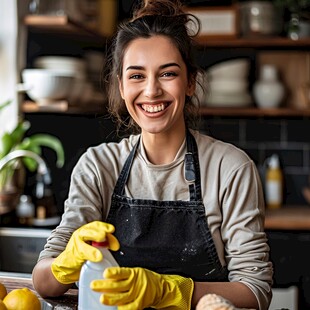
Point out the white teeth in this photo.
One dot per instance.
(153, 108)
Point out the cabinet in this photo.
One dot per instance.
(261, 50)
(60, 35)
(290, 57)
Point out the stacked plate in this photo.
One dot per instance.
(82, 90)
(228, 84)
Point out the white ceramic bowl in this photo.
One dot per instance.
(235, 68)
(46, 86)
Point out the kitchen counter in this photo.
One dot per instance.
(68, 301)
(288, 218)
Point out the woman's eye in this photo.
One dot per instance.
(168, 74)
(135, 76)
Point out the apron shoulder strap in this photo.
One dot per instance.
(192, 167)
(123, 177)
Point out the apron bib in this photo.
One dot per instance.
(167, 237)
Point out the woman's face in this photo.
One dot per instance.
(154, 84)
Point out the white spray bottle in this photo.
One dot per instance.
(89, 299)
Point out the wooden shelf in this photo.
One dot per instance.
(63, 108)
(65, 24)
(266, 42)
(255, 112)
(60, 25)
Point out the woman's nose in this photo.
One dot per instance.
(153, 88)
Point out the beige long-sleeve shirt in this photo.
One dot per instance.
(231, 192)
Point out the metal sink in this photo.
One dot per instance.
(45, 305)
(20, 248)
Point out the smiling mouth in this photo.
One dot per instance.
(154, 108)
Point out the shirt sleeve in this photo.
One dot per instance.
(85, 202)
(242, 230)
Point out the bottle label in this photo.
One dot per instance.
(273, 192)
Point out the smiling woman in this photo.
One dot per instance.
(153, 75)
(194, 201)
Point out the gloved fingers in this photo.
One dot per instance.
(95, 231)
(113, 242)
(110, 286)
(87, 252)
(118, 273)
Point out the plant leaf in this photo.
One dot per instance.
(30, 163)
(6, 144)
(51, 142)
(6, 175)
(6, 103)
(19, 131)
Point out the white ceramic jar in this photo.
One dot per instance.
(268, 91)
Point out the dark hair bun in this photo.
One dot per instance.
(158, 7)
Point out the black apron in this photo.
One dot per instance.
(167, 237)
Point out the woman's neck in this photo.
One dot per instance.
(161, 148)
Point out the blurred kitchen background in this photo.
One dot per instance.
(256, 62)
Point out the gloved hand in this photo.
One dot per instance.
(67, 266)
(139, 288)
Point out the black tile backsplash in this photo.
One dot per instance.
(262, 137)
(292, 158)
(258, 137)
(222, 129)
(298, 130)
(259, 130)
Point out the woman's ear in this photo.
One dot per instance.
(120, 87)
(191, 87)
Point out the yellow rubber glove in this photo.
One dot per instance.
(67, 266)
(139, 288)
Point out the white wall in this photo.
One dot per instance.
(8, 71)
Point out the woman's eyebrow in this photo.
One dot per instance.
(170, 64)
(134, 68)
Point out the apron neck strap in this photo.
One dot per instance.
(191, 169)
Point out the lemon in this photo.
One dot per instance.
(2, 305)
(22, 299)
(3, 291)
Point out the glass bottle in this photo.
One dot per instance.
(274, 183)
(25, 210)
(44, 198)
(293, 27)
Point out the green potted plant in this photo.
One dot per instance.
(12, 175)
(296, 15)
(292, 5)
